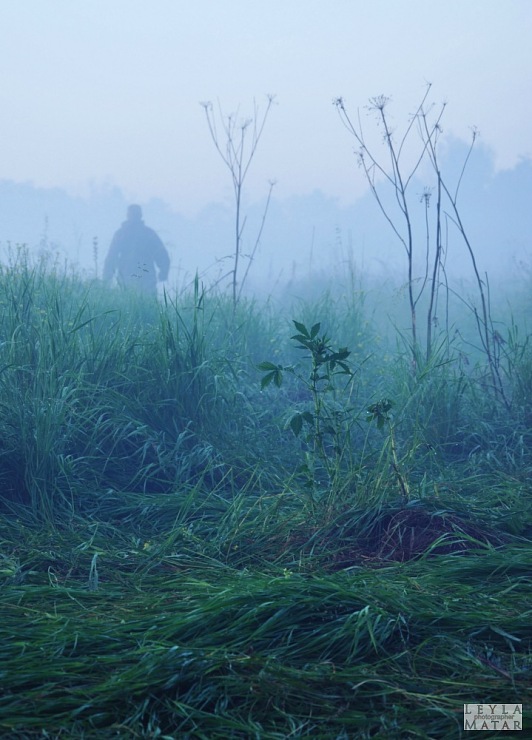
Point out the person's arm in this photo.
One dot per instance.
(161, 258)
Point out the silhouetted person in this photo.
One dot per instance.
(135, 252)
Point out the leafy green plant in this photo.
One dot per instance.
(326, 423)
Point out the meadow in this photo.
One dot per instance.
(275, 519)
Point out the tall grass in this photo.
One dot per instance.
(163, 570)
(109, 391)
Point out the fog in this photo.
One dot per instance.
(101, 109)
(303, 236)
(99, 92)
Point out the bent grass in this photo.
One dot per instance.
(160, 575)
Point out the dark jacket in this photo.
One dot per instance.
(134, 253)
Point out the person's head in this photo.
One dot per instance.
(134, 213)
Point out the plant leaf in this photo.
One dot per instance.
(266, 380)
(314, 331)
(302, 329)
(296, 423)
(267, 366)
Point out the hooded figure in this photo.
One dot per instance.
(135, 252)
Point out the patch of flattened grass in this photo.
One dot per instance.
(190, 647)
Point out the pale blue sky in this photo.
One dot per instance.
(108, 91)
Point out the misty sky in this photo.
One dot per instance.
(99, 92)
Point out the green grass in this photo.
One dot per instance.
(187, 646)
(165, 568)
